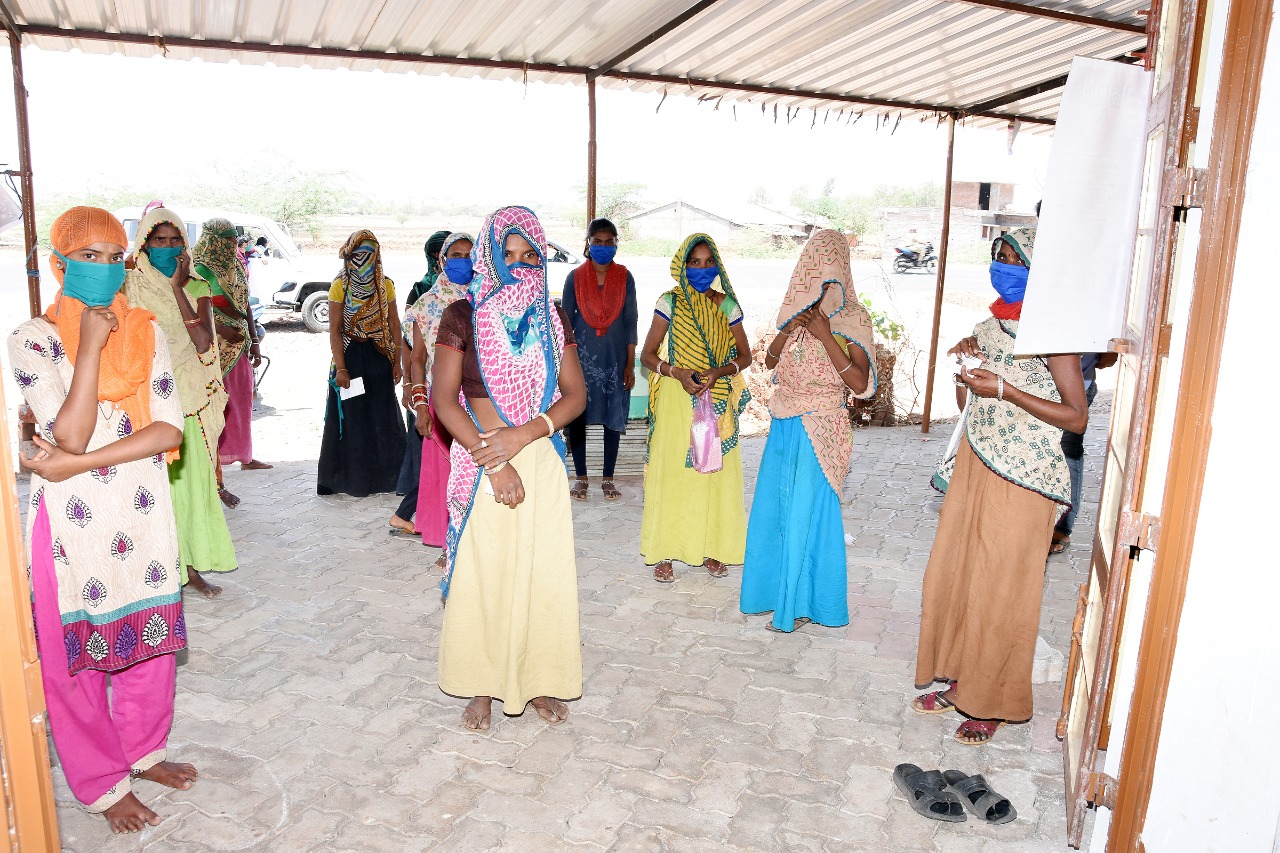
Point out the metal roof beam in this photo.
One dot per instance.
(541, 67)
(1055, 15)
(688, 14)
(1029, 91)
(7, 21)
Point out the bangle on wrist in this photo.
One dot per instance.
(493, 469)
(1000, 388)
(340, 370)
(846, 367)
(736, 369)
(551, 425)
(192, 323)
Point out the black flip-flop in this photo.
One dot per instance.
(980, 798)
(927, 792)
(400, 531)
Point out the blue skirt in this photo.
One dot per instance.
(795, 564)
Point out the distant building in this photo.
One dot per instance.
(980, 212)
(678, 219)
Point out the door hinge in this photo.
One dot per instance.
(1139, 530)
(1185, 187)
(1102, 789)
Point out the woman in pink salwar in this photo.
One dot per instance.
(102, 542)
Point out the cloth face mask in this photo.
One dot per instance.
(458, 270)
(165, 259)
(603, 255)
(93, 284)
(700, 278)
(1009, 280)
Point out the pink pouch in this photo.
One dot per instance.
(704, 436)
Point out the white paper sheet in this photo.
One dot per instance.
(355, 389)
(1084, 244)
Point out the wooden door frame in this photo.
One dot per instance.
(1246, 41)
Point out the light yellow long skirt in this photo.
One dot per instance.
(688, 516)
(511, 624)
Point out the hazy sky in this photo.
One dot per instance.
(109, 120)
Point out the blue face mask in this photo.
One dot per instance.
(700, 278)
(1009, 280)
(458, 270)
(603, 255)
(93, 284)
(165, 259)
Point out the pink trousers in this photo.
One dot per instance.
(431, 518)
(236, 442)
(98, 741)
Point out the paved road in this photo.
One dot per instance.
(308, 697)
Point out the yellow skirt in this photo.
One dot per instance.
(688, 516)
(511, 625)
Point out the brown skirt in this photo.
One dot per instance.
(982, 591)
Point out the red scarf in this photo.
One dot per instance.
(600, 306)
(1002, 310)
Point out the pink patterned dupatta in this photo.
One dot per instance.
(519, 341)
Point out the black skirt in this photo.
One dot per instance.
(366, 459)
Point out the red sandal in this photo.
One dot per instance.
(663, 573)
(984, 730)
(935, 702)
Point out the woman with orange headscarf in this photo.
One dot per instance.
(102, 546)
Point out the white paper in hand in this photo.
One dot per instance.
(965, 362)
(355, 389)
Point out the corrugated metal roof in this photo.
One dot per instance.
(934, 54)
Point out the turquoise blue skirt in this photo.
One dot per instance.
(795, 564)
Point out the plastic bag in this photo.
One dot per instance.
(704, 436)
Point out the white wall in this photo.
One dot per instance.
(1216, 785)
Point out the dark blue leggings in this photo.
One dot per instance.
(577, 435)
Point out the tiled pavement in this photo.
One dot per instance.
(308, 697)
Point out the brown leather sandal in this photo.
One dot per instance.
(611, 492)
(578, 491)
(715, 568)
(663, 573)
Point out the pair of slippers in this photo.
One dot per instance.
(946, 795)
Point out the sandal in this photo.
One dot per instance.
(978, 797)
(442, 563)
(1060, 543)
(228, 499)
(578, 491)
(715, 568)
(935, 702)
(663, 573)
(928, 794)
(983, 730)
(611, 492)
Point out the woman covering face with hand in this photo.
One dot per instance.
(162, 282)
(505, 378)
(101, 543)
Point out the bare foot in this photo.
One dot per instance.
(225, 495)
(130, 815)
(254, 465)
(553, 711)
(171, 774)
(476, 715)
(202, 586)
(399, 526)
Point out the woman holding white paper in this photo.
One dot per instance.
(363, 443)
(1004, 490)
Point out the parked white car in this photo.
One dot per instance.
(285, 281)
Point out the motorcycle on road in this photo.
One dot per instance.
(910, 259)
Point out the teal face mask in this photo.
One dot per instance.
(165, 259)
(93, 284)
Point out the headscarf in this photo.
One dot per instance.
(427, 311)
(365, 312)
(519, 342)
(1022, 241)
(807, 383)
(214, 256)
(199, 376)
(124, 373)
(433, 250)
(700, 338)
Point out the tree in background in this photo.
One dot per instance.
(856, 213)
(613, 201)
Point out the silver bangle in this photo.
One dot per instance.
(1000, 388)
(493, 469)
(846, 367)
(736, 369)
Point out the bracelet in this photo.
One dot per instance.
(846, 367)
(493, 469)
(342, 370)
(551, 425)
(660, 363)
(191, 324)
(736, 369)
(1000, 388)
